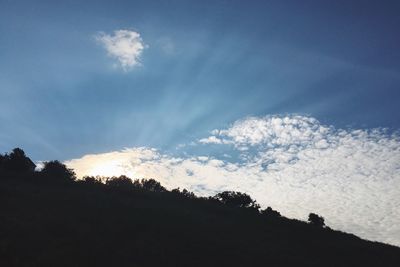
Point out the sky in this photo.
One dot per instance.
(293, 102)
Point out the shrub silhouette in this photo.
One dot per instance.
(188, 194)
(122, 182)
(236, 199)
(316, 220)
(17, 161)
(125, 182)
(57, 171)
(184, 193)
(92, 179)
(152, 185)
(176, 191)
(271, 212)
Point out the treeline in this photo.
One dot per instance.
(16, 162)
(49, 217)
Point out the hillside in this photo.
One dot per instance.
(51, 221)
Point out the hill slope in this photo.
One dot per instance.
(84, 224)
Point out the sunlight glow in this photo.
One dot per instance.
(112, 168)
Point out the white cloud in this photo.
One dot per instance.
(272, 131)
(210, 140)
(124, 45)
(292, 163)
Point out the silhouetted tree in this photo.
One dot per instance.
(137, 184)
(92, 179)
(236, 199)
(188, 194)
(2, 161)
(184, 193)
(271, 212)
(316, 220)
(57, 171)
(176, 191)
(120, 182)
(152, 185)
(17, 161)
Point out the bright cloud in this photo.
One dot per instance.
(124, 45)
(292, 163)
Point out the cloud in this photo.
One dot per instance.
(210, 140)
(271, 131)
(124, 45)
(292, 163)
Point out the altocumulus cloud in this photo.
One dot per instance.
(292, 163)
(124, 45)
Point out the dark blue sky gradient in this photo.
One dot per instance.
(60, 97)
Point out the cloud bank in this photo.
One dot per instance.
(292, 163)
(124, 45)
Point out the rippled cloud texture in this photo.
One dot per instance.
(291, 163)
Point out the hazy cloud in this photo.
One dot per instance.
(292, 163)
(124, 45)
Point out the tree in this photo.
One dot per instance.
(188, 194)
(316, 220)
(120, 182)
(17, 161)
(184, 193)
(176, 191)
(271, 212)
(152, 185)
(236, 199)
(92, 180)
(2, 161)
(56, 170)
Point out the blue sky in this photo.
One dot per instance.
(293, 102)
(206, 65)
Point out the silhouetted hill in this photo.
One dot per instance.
(55, 221)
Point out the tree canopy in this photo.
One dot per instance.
(316, 220)
(16, 161)
(56, 170)
(236, 199)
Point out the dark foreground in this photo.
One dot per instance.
(89, 224)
